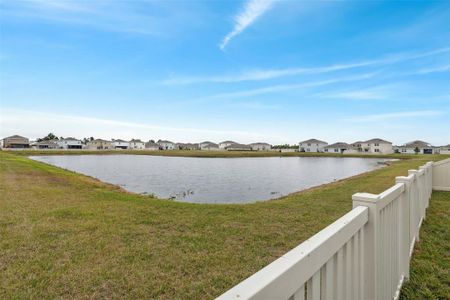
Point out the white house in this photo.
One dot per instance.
(312, 145)
(46, 145)
(421, 146)
(260, 146)
(166, 145)
(120, 144)
(374, 146)
(340, 148)
(69, 143)
(225, 144)
(445, 149)
(209, 146)
(136, 144)
(151, 146)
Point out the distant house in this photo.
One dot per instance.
(136, 144)
(238, 147)
(46, 145)
(260, 146)
(225, 144)
(312, 145)
(151, 146)
(210, 146)
(421, 146)
(120, 144)
(445, 149)
(69, 143)
(16, 142)
(187, 146)
(99, 144)
(166, 145)
(340, 148)
(374, 146)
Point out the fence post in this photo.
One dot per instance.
(371, 250)
(414, 206)
(404, 220)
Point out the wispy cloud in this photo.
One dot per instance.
(253, 9)
(436, 69)
(287, 87)
(396, 115)
(35, 123)
(260, 74)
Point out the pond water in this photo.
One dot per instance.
(213, 180)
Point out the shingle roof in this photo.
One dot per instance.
(228, 142)
(236, 145)
(120, 141)
(164, 141)
(340, 145)
(16, 137)
(136, 141)
(377, 140)
(313, 141)
(419, 144)
(256, 144)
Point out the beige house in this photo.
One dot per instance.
(260, 146)
(238, 147)
(340, 148)
(16, 142)
(374, 146)
(210, 146)
(46, 145)
(151, 146)
(99, 144)
(187, 146)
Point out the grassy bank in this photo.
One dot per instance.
(430, 266)
(201, 153)
(68, 235)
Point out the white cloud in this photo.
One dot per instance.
(396, 115)
(287, 87)
(258, 74)
(253, 9)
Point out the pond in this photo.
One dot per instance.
(213, 180)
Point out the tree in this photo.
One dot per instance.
(49, 137)
(416, 150)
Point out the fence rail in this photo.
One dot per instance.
(363, 255)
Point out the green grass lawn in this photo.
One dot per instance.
(202, 153)
(70, 236)
(430, 266)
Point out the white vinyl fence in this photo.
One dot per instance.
(363, 255)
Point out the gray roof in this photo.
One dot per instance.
(16, 137)
(313, 141)
(136, 141)
(340, 145)
(419, 144)
(228, 142)
(256, 144)
(100, 140)
(236, 145)
(377, 140)
(209, 144)
(164, 141)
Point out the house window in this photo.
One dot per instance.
(403, 150)
(309, 144)
(376, 144)
(326, 150)
(377, 150)
(336, 150)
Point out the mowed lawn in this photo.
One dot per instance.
(71, 236)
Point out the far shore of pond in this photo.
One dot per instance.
(211, 154)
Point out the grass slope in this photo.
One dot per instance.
(68, 235)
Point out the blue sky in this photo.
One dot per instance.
(275, 71)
